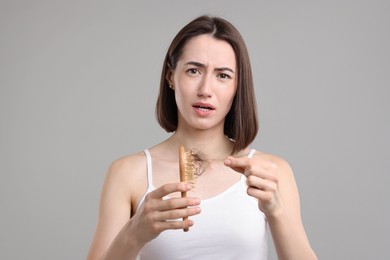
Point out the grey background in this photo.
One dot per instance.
(78, 83)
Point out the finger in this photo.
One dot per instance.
(166, 225)
(261, 195)
(260, 183)
(177, 214)
(177, 203)
(262, 173)
(168, 189)
(237, 164)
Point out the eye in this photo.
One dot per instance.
(224, 76)
(193, 71)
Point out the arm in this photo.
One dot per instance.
(121, 236)
(271, 181)
(114, 213)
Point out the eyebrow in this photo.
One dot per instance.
(201, 65)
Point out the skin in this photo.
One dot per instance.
(206, 72)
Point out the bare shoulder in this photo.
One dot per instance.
(122, 186)
(128, 167)
(127, 175)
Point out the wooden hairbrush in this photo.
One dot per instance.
(188, 168)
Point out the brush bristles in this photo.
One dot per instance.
(187, 166)
(190, 169)
(187, 172)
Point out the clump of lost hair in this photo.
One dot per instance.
(200, 161)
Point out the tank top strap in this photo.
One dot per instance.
(251, 153)
(243, 178)
(149, 168)
(149, 177)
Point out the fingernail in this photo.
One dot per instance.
(227, 161)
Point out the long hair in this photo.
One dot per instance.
(241, 123)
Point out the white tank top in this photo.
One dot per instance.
(230, 226)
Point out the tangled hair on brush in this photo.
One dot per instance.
(200, 161)
(241, 123)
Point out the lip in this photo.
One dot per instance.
(203, 109)
(205, 105)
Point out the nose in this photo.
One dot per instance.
(204, 89)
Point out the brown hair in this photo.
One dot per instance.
(241, 124)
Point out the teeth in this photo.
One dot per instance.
(203, 108)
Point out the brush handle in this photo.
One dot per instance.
(182, 167)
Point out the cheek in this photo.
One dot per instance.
(180, 97)
(180, 89)
(230, 96)
(185, 89)
(180, 93)
(230, 104)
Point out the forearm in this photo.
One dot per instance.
(124, 246)
(289, 238)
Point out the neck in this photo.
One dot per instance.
(214, 145)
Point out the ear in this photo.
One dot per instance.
(169, 77)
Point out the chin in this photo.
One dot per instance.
(202, 124)
(206, 126)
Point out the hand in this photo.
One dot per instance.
(262, 180)
(157, 214)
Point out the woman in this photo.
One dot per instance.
(207, 100)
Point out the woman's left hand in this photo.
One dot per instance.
(271, 181)
(262, 181)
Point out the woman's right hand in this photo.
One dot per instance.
(157, 214)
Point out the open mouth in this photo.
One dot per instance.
(204, 108)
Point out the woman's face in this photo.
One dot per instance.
(205, 82)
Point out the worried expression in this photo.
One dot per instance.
(205, 82)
